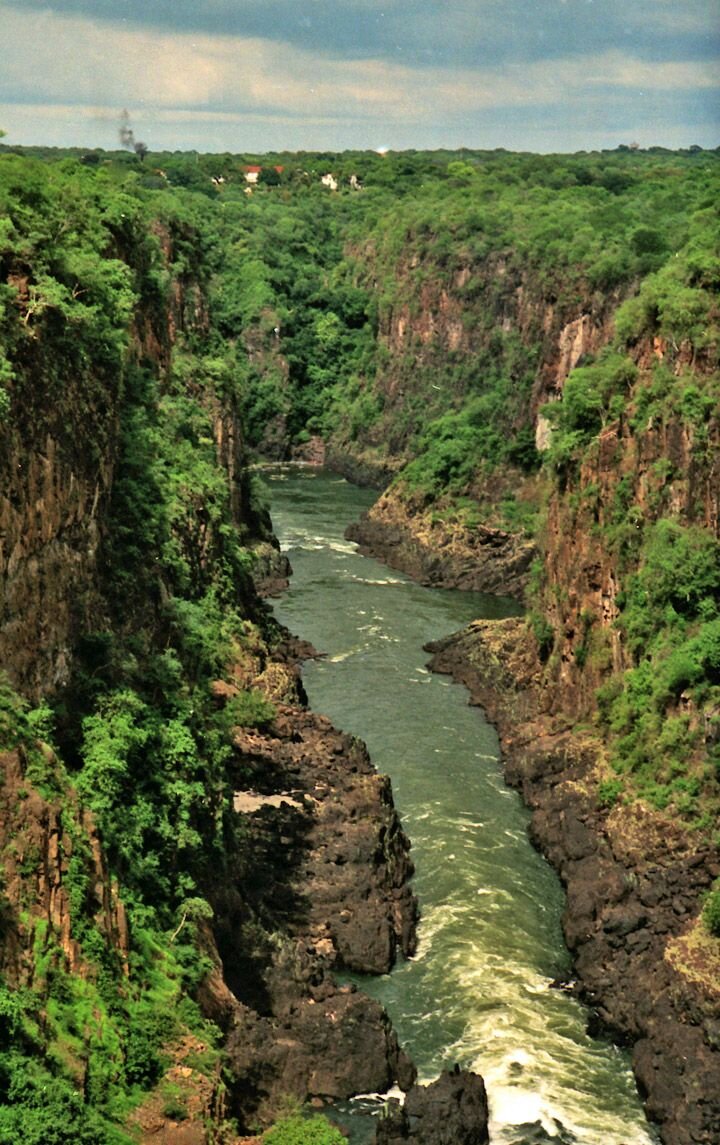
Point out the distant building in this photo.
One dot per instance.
(252, 174)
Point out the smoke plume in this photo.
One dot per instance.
(127, 136)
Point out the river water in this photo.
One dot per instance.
(478, 990)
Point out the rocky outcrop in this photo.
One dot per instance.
(634, 881)
(320, 884)
(440, 553)
(363, 467)
(50, 507)
(331, 1043)
(271, 569)
(451, 1111)
(445, 318)
(187, 1101)
(325, 827)
(630, 478)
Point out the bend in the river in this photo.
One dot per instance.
(490, 943)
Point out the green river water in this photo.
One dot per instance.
(490, 943)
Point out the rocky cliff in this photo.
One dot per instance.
(452, 520)
(187, 852)
(607, 695)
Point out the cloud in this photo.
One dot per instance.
(70, 59)
(456, 33)
(171, 79)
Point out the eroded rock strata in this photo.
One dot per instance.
(634, 881)
(443, 554)
(328, 888)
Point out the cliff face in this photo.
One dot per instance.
(447, 331)
(633, 476)
(41, 839)
(618, 390)
(60, 446)
(49, 530)
(132, 639)
(502, 317)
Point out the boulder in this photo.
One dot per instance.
(451, 1111)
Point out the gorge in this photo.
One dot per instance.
(521, 353)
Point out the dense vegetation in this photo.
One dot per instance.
(88, 266)
(299, 311)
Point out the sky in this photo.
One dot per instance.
(261, 75)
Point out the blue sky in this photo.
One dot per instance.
(254, 75)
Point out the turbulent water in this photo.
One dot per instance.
(478, 990)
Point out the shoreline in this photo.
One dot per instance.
(633, 881)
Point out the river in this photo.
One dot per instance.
(490, 943)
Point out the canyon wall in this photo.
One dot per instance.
(182, 842)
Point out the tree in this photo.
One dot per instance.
(192, 910)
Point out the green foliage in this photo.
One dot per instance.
(678, 581)
(155, 782)
(299, 1130)
(671, 619)
(592, 396)
(452, 450)
(711, 911)
(39, 1104)
(249, 709)
(609, 791)
(544, 633)
(174, 1107)
(41, 1109)
(14, 727)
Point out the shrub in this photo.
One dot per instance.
(711, 911)
(299, 1130)
(544, 634)
(249, 709)
(609, 791)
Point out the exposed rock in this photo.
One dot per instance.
(50, 506)
(328, 890)
(311, 452)
(451, 1111)
(667, 468)
(363, 467)
(180, 1108)
(327, 829)
(435, 552)
(37, 842)
(329, 1046)
(271, 571)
